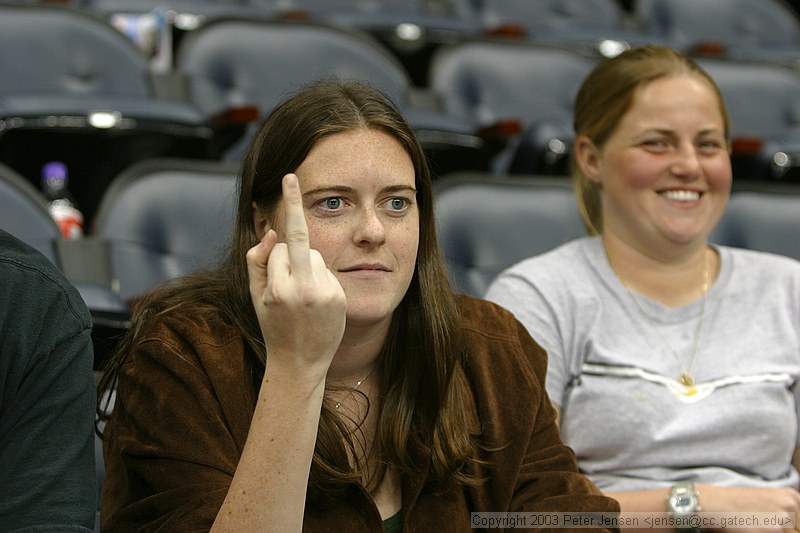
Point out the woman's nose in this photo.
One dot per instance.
(686, 163)
(371, 229)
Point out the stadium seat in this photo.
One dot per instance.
(412, 31)
(157, 26)
(764, 217)
(736, 29)
(486, 223)
(78, 91)
(166, 218)
(762, 99)
(507, 87)
(233, 65)
(599, 27)
(24, 213)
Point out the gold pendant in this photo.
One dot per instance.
(688, 381)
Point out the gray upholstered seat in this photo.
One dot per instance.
(763, 100)
(235, 63)
(737, 29)
(509, 83)
(764, 218)
(486, 223)
(166, 218)
(79, 91)
(24, 213)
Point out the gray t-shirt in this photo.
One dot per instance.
(631, 423)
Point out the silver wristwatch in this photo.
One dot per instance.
(683, 502)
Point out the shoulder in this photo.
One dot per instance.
(497, 342)
(481, 316)
(191, 330)
(488, 320)
(560, 278)
(32, 284)
(758, 265)
(747, 256)
(185, 349)
(550, 266)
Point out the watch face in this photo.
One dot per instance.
(684, 501)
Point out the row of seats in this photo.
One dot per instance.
(159, 219)
(496, 105)
(83, 93)
(739, 28)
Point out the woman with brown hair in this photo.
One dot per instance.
(325, 377)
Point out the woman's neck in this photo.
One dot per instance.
(673, 277)
(358, 353)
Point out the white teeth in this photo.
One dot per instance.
(682, 196)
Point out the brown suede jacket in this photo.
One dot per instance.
(185, 402)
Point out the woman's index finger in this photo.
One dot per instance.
(296, 226)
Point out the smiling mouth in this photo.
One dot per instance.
(681, 195)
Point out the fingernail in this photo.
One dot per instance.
(291, 181)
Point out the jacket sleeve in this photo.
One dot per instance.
(178, 427)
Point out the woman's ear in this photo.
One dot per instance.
(259, 222)
(588, 158)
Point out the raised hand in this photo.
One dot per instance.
(301, 309)
(300, 304)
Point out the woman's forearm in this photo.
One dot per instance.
(268, 490)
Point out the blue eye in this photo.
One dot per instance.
(398, 204)
(332, 203)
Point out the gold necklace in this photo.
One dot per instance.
(685, 377)
(357, 385)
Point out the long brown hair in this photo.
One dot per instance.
(422, 367)
(607, 94)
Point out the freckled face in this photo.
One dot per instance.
(665, 172)
(359, 196)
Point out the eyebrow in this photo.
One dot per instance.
(343, 189)
(665, 131)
